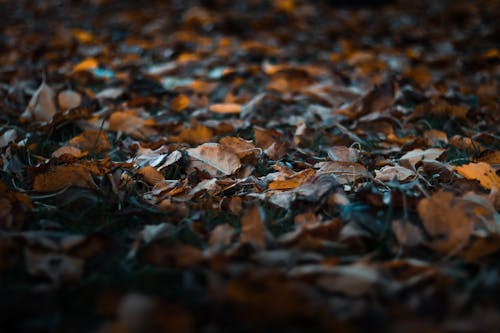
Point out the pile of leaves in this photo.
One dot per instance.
(219, 166)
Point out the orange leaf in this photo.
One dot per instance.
(482, 172)
(151, 175)
(180, 103)
(232, 108)
(283, 184)
(85, 65)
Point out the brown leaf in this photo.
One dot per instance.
(220, 160)
(129, 122)
(94, 141)
(346, 172)
(253, 230)
(447, 221)
(68, 150)
(61, 177)
(151, 175)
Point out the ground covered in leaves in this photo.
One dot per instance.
(220, 166)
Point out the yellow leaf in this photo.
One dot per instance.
(481, 172)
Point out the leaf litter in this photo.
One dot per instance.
(249, 166)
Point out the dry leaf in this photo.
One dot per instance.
(220, 160)
(151, 175)
(69, 99)
(343, 154)
(418, 155)
(242, 148)
(481, 172)
(129, 122)
(95, 141)
(195, 135)
(346, 172)
(42, 106)
(86, 64)
(180, 103)
(389, 173)
(68, 150)
(447, 221)
(253, 230)
(231, 108)
(61, 177)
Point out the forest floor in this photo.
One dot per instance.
(249, 166)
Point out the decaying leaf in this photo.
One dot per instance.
(215, 159)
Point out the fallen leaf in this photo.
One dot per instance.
(343, 154)
(418, 155)
(230, 108)
(346, 172)
(151, 175)
(42, 106)
(481, 172)
(85, 65)
(253, 230)
(447, 221)
(129, 122)
(61, 177)
(68, 99)
(180, 103)
(220, 160)
(94, 141)
(389, 173)
(68, 150)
